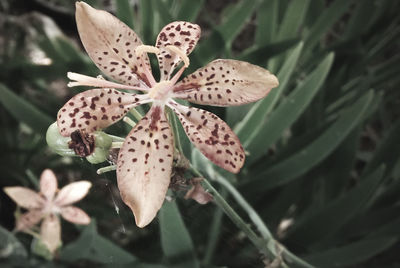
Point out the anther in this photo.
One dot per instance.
(180, 53)
(146, 49)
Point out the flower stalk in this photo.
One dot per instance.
(265, 243)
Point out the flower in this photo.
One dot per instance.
(47, 205)
(145, 159)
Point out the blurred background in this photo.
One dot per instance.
(323, 166)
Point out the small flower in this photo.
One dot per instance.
(145, 159)
(47, 205)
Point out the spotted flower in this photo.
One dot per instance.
(48, 205)
(145, 158)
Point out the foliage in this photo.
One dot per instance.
(323, 165)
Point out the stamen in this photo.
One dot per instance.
(129, 121)
(116, 144)
(139, 52)
(84, 80)
(181, 54)
(146, 49)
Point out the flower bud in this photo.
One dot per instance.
(58, 143)
(102, 147)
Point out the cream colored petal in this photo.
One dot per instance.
(212, 136)
(145, 165)
(29, 219)
(48, 184)
(226, 83)
(75, 215)
(50, 232)
(111, 44)
(198, 193)
(72, 193)
(25, 197)
(95, 109)
(184, 35)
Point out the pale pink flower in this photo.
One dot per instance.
(48, 204)
(145, 159)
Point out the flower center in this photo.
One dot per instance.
(160, 91)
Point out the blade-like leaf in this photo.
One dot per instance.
(261, 109)
(175, 238)
(288, 111)
(330, 218)
(351, 254)
(299, 163)
(24, 111)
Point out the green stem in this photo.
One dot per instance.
(266, 244)
(213, 233)
(236, 219)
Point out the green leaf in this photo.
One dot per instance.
(325, 21)
(92, 246)
(352, 253)
(259, 111)
(260, 55)
(224, 34)
(312, 154)
(267, 20)
(189, 10)
(327, 220)
(388, 151)
(163, 12)
(293, 19)
(146, 19)
(289, 27)
(10, 246)
(288, 111)
(125, 12)
(176, 242)
(24, 111)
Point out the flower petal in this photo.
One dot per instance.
(145, 165)
(28, 219)
(181, 34)
(111, 45)
(75, 215)
(212, 136)
(24, 197)
(225, 83)
(95, 109)
(198, 193)
(50, 232)
(48, 184)
(72, 193)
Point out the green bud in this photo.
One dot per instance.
(102, 147)
(58, 143)
(102, 140)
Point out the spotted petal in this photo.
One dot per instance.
(145, 165)
(50, 232)
(29, 219)
(211, 136)
(72, 193)
(111, 44)
(48, 184)
(95, 109)
(75, 215)
(181, 34)
(24, 197)
(226, 83)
